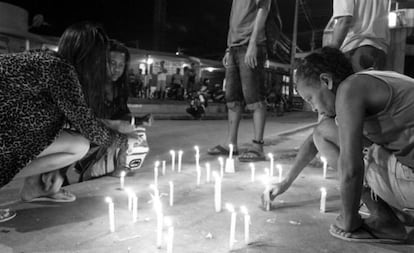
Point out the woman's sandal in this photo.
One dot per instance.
(220, 150)
(61, 196)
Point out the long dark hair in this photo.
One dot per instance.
(85, 46)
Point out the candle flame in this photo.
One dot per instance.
(108, 199)
(207, 165)
(170, 183)
(157, 163)
(278, 166)
(180, 152)
(123, 173)
(252, 165)
(230, 207)
(172, 152)
(220, 159)
(323, 189)
(196, 148)
(323, 159)
(216, 175)
(270, 155)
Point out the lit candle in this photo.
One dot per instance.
(133, 121)
(156, 191)
(253, 169)
(247, 221)
(198, 170)
(280, 169)
(111, 214)
(325, 166)
(160, 217)
(221, 161)
(129, 194)
(217, 191)
(208, 172)
(172, 153)
(171, 193)
(232, 238)
(231, 151)
(122, 179)
(197, 150)
(134, 208)
(180, 157)
(163, 167)
(323, 200)
(157, 163)
(271, 163)
(170, 234)
(229, 161)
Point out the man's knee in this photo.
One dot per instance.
(81, 146)
(234, 106)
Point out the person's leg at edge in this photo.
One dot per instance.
(42, 175)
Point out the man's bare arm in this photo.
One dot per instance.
(341, 30)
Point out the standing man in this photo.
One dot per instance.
(244, 62)
(361, 32)
(161, 80)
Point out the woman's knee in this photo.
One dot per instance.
(80, 146)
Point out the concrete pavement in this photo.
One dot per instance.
(293, 225)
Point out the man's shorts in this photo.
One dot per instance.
(366, 57)
(242, 82)
(388, 178)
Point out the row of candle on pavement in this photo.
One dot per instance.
(228, 167)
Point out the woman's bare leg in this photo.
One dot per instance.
(42, 176)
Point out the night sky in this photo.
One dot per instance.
(198, 27)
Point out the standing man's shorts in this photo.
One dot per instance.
(366, 57)
(244, 83)
(388, 178)
(161, 84)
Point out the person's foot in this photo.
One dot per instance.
(383, 221)
(221, 150)
(253, 154)
(6, 215)
(42, 185)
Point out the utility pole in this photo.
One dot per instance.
(160, 12)
(293, 49)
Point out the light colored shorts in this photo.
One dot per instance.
(388, 178)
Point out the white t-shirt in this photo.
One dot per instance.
(370, 23)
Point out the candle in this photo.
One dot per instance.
(325, 166)
(271, 163)
(280, 169)
(163, 167)
(156, 191)
(170, 235)
(267, 189)
(247, 221)
(129, 194)
(253, 169)
(157, 163)
(160, 217)
(197, 150)
(172, 153)
(221, 161)
(122, 180)
(111, 214)
(198, 170)
(171, 193)
(133, 121)
(323, 200)
(217, 191)
(232, 238)
(134, 208)
(208, 172)
(180, 157)
(231, 151)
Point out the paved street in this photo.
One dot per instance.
(293, 225)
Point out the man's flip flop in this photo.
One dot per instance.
(61, 196)
(257, 156)
(6, 215)
(362, 235)
(220, 150)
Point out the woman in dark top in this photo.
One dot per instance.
(41, 93)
